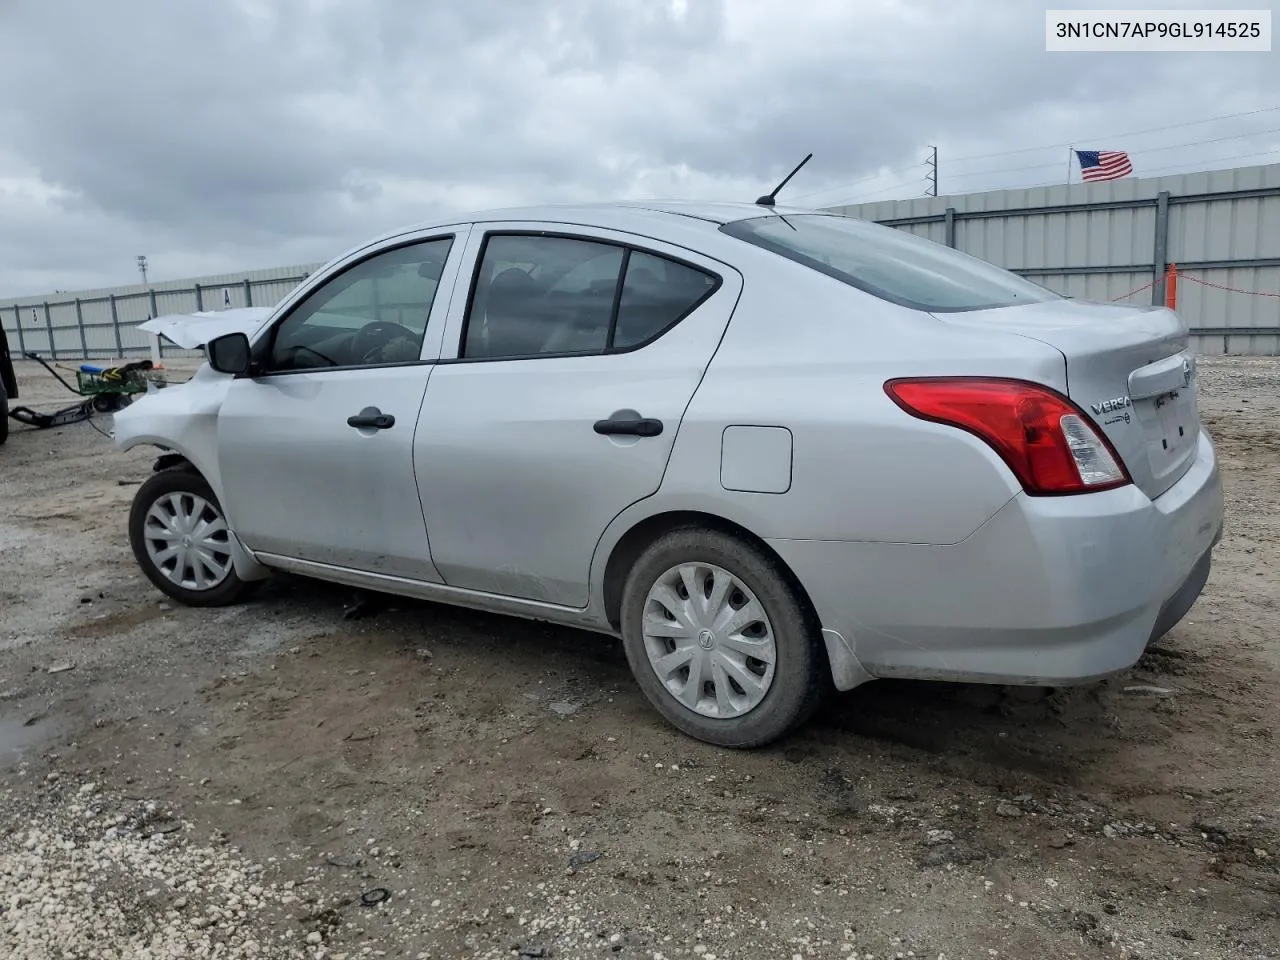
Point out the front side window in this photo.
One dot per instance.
(555, 296)
(373, 313)
(888, 263)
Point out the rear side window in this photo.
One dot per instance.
(656, 294)
(545, 295)
(890, 264)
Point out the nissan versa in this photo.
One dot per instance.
(775, 450)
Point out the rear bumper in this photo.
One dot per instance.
(1048, 591)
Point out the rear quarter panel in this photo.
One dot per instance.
(808, 353)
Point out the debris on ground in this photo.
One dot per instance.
(362, 606)
(84, 872)
(1149, 690)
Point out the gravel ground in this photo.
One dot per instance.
(231, 783)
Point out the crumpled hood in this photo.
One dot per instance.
(193, 330)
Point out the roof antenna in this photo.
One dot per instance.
(769, 198)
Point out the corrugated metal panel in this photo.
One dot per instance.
(218, 280)
(63, 315)
(1213, 307)
(272, 293)
(1087, 238)
(1225, 229)
(1142, 188)
(1081, 248)
(175, 301)
(133, 306)
(1100, 287)
(936, 232)
(133, 310)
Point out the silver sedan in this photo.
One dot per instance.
(776, 451)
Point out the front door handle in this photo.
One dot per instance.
(371, 418)
(629, 427)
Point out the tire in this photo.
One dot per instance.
(110, 402)
(180, 491)
(792, 690)
(4, 414)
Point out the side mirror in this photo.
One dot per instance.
(229, 353)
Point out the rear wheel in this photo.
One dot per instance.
(182, 542)
(718, 639)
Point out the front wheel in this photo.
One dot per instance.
(719, 641)
(182, 542)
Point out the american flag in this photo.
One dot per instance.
(1104, 164)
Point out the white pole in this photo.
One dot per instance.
(1070, 153)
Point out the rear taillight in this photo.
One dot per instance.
(1046, 440)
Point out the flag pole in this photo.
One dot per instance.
(1070, 151)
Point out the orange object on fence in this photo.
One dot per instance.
(1171, 287)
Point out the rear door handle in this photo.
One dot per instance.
(630, 427)
(371, 418)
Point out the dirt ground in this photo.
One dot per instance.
(460, 761)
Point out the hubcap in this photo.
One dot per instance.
(709, 640)
(188, 541)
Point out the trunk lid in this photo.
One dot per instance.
(1129, 368)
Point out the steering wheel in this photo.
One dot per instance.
(376, 335)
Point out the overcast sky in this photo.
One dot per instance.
(219, 135)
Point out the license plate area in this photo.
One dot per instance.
(1170, 428)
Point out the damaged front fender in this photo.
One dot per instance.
(182, 421)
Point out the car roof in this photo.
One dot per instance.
(662, 219)
(619, 214)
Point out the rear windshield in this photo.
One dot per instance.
(888, 263)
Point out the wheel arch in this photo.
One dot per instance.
(846, 670)
(172, 457)
(633, 542)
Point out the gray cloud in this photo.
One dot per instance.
(227, 134)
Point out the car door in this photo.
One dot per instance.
(562, 382)
(315, 448)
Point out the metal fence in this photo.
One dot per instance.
(1114, 241)
(104, 324)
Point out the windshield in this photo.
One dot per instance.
(888, 263)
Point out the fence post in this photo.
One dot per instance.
(84, 343)
(115, 326)
(157, 348)
(22, 343)
(248, 293)
(949, 219)
(199, 298)
(1161, 251)
(48, 325)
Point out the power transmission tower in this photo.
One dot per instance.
(142, 268)
(931, 188)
